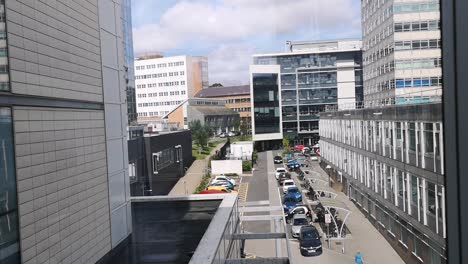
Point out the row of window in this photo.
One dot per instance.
(418, 82)
(238, 100)
(159, 103)
(427, 25)
(160, 75)
(379, 70)
(369, 10)
(379, 20)
(428, 6)
(385, 32)
(172, 93)
(146, 114)
(160, 65)
(371, 57)
(241, 109)
(418, 44)
(418, 64)
(415, 143)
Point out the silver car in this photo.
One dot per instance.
(298, 221)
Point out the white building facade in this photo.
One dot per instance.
(165, 82)
(402, 51)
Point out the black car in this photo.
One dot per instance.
(309, 241)
(278, 159)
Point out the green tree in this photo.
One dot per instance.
(244, 128)
(286, 145)
(200, 133)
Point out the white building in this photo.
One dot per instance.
(162, 83)
(241, 150)
(402, 55)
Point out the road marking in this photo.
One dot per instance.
(243, 188)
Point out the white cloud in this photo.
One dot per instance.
(229, 64)
(188, 22)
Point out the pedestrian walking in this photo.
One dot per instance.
(358, 258)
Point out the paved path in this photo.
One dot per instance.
(189, 183)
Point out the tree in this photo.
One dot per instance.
(216, 85)
(244, 127)
(200, 133)
(237, 124)
(286, 145)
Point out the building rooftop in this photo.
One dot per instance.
(174, 230)
(214, 110)
(224, 91)
(308, 47)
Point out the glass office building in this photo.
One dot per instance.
(266, 103)
(314, 76)
(129, 61)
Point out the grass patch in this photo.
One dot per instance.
(206, 149)
(240, 138)
(203, 184)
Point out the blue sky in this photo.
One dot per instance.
(228, 32)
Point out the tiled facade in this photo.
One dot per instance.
(67, 99)
(62, 185)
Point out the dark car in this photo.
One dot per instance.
(289, 202)
(309, 241)
(282, 177)
(278, 159)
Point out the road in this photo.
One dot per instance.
(264, 189)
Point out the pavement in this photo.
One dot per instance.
(188, 184)
(263, 189)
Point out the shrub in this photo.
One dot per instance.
(246, 166)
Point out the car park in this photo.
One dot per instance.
(279, 171)
(287, 184)
(226, 184)
(298, 221)
(278, 159)
(224, 178)
(289, 202)
(296, 192)
(309, 241)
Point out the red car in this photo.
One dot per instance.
(211, 192)
(299, 148)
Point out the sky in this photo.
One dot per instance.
(229, 32)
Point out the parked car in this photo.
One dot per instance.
(278, 159)
(222, 135)
(212, 192)
(299, 209)
(289, 202)
(314, 158)
(309, 241)
(282, 177)
(231, 134)
(296, 192)
(287, 184)
(299, 148)
(293, 164)
(279, 171)
(226, 184)
(224, 178)
(298, 221)
(220, 188)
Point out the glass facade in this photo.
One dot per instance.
(9, 246)
(266, 103)
(129, 60)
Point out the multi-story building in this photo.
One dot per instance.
(212, 112)
(390, 162)
(162, 83)
(401, 51)
(237, 98)
(290, 89)
(64, 185)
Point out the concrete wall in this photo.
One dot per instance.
(226, 166)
